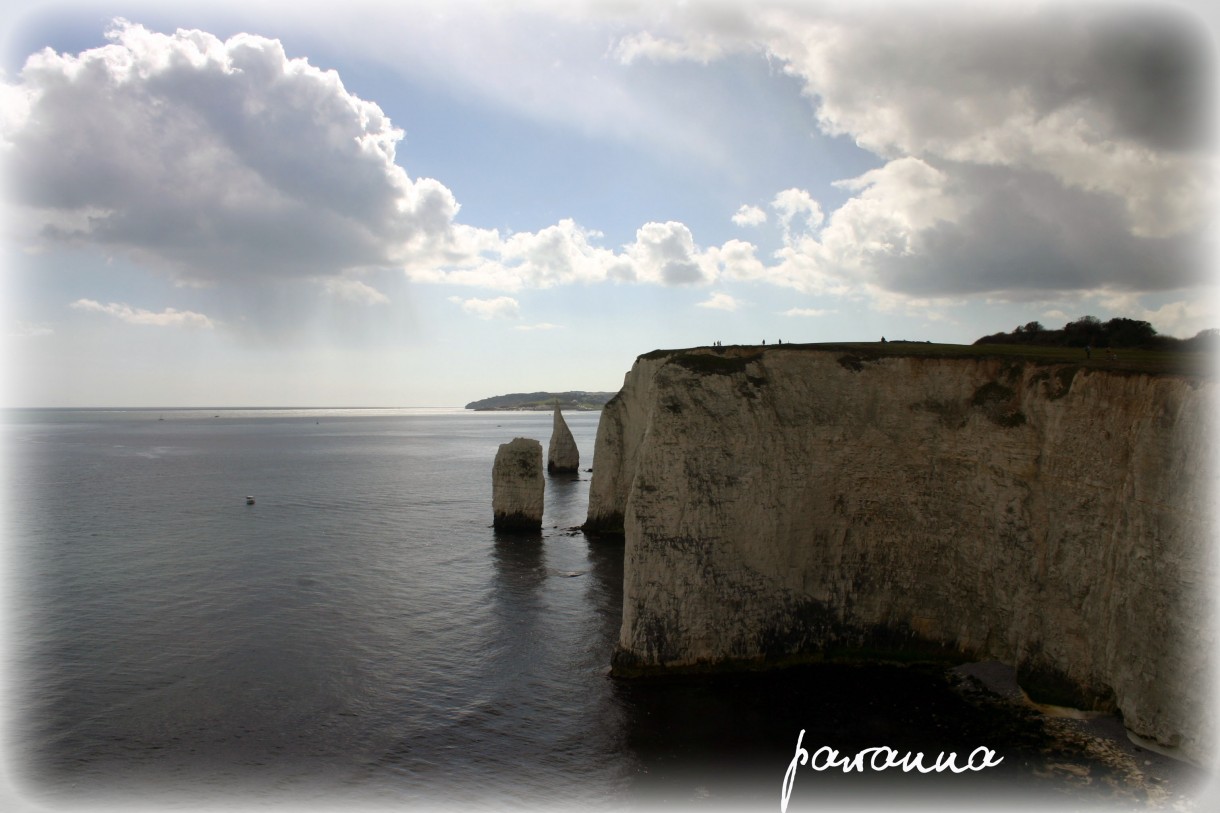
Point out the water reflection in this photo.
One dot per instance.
(604, 589)
(520, 571)
(729, 738)
(565, 500)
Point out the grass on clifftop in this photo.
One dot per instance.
(1156, 362)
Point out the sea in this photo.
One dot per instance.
(360, 637)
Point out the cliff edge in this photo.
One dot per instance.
(793, 502)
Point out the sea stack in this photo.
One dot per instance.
(562, 454)
(517, 485)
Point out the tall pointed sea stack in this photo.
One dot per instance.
(562, 454)
(517, 485)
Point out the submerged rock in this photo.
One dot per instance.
(517, 486)
(562, 454)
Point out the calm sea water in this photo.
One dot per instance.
(361, 637)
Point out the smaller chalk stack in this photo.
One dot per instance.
(562, 454)
(517, 486)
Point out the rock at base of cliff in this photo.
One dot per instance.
(562, 454)
(517, 486)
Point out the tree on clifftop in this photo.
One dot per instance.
(1119, 332)
(1086, 330)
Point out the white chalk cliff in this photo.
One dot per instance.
(562, 454)
(792, 503)
(517, 485)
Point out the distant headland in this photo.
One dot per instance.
(544, 401)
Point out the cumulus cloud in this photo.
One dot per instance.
(228, 163)
(1104, 100)
(806, 312)
(539, 326)
(216, 160)
(737, 259)
(665, 253)
(1024, 151)
(169, 317)
(354, 291)
(566, 253)
(749, 215)
(792, 203)
(501, 307)
(1027, 149)
(661, 254)
(915, 230)
(720, 301)
(885, 222)
(559, 254)
(1182, 319)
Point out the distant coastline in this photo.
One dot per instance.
(542, 401)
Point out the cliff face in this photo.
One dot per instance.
(799, 502)
(620, 433)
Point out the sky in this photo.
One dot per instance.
(426, 203)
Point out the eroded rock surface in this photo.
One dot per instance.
(562, 454)
(803, 503)
(517, 486)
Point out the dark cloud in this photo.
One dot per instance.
(1154, 71)
(1025, 234)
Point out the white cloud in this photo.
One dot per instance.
(720, 301)
(1064, 89)
(27, 330)
(501, 307)
(216, 160)
(1029, 149)
(556, 255)
(169, 317)
(662, 254)
(737, 259)
(539, 326)
(893, 208)
(665, 253)
(894, 205)
(808, 312)
(749, 215)
(354, 291)
(791, 203)
(644, 45)
(550, 63)
(1026, 152)
(1182, 318)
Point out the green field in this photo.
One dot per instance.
(1166, 362)
(1161, 362)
